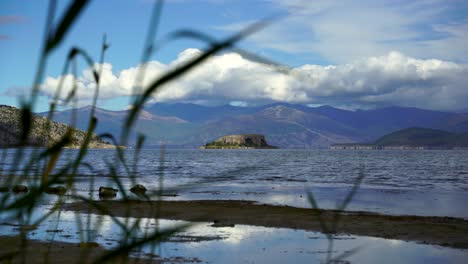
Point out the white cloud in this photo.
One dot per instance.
(112, 85)
(392, 79)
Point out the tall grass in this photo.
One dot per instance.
(39, 166)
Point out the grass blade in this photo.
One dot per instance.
(73, 11)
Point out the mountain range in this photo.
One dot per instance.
(185, 125)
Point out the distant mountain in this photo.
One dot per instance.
(424, 137)
(382, 121)
(83, 114)
(376, 122)
(285, 125)
(154, 126)
(43, 132)
(198, 113)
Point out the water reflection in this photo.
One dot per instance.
(247, 244)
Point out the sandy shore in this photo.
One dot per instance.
(443, 231)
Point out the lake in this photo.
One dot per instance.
(410, 182)
(416, 182)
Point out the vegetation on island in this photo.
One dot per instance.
(43, 132)
(242, 141)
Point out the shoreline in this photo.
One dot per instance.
(38, 251)
(442, 231)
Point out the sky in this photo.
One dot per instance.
(347, 54)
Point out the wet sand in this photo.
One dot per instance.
(443, 231)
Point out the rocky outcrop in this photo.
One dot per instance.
(43, 132)
(243, 141)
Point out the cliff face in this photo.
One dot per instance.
(240, 141)
(43, 132)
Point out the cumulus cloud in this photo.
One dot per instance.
(112, 85)
(392, 79)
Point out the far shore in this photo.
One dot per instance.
(442, 231)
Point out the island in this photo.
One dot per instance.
(241, 141)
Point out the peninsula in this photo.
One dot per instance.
(242, 141)
(43, 132)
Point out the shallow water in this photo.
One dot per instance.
(246, 244)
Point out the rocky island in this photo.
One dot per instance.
(242, 141)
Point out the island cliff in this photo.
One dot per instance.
(243, 141)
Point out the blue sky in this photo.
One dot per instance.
(351, 54)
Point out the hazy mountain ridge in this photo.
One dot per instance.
(198, 113)
(424, 137)
(284, 125)
(287, 128)
(113, 121)
(43, 131)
